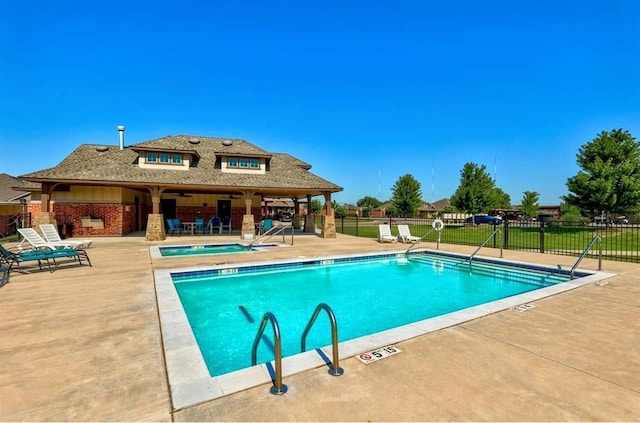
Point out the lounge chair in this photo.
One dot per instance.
(49, 255)
(37, 242)
(51, 235)
(385, 234)
(405, 234)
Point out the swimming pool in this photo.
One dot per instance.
(196, 350)
(207, 249)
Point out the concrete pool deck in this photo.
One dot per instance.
(84, 343)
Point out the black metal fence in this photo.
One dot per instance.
(620, 242)
(9, 224)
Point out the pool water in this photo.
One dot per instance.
(195, 250)
(366, 296)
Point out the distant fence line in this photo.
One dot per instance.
(620, 242)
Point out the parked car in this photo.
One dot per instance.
(621, 220)
(484, 218)
(284, 217)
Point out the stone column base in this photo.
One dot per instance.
(328, 227)
(43, 218)
(155, 228)
(248, 227)
(310, 223)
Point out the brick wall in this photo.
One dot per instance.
(117, 219)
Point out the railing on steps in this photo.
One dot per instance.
(595, 239)
(483, 244)
(275, 230)
(278, 387)
(335, 369)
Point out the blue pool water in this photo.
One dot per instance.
(194, 250)
(225, 307)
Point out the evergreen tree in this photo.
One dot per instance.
(529, 205)
(609, 179)
(407, 196)
(477, 192)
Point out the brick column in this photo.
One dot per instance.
(155, 228)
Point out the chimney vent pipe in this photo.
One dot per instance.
(121, 131)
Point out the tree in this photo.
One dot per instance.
(367, 204)
(338, 209)
(529, 205)
(569, 213)
(477, 192)
(316, 206)
(610, 177)
(407, 196)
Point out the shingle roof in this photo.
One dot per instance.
(89, 164)
(7, 193)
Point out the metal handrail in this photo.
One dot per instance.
(273, 231)
(278, 387)
(483, 244)
(584, 253)
(423, 237)
(335, 369)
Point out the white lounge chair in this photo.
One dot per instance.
(37, 242)
(405, 234)
(385, 234)
(51, 235)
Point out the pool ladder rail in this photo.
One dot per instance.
(595, 239)
(278, 387)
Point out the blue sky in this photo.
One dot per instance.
(363, 91)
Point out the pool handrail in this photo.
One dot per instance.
(584, 253)
(421, 238)
(335, 369)
(483, 244)
(278, 387)
(275, 230)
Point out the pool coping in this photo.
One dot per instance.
(154, 250)
(189, 379)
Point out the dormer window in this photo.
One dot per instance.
(164, 158)
(243, 163)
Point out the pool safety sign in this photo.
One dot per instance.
(375, 355)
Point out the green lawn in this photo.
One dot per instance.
(567, 239)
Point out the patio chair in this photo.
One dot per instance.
(198, 225)
(405, 234)
(265, 225)
(385, 234)
(226, 223)
(49, 255)
(51, 235)
(173, 229)
(214, 224)
(37, 242)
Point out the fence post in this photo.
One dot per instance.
(357, 224)
(505, 237)
(542, 236)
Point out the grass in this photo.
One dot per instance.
(569, 239)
